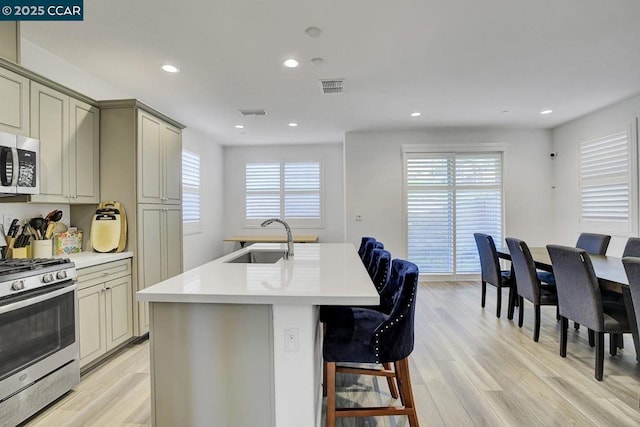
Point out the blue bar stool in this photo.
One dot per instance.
(363, 335)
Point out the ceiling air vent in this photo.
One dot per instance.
(255, 112)
(332, 87)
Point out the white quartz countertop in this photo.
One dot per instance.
(318, 274)
(89, 259)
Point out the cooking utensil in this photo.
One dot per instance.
(57, 216)
(53, 216)
(50, 229)
(39, 227)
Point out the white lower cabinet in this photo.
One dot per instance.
(104, 309)
(159, 249)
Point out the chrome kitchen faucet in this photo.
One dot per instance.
(289, 236)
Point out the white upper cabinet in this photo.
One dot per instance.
(159, 160)
(84, 152)
(14, 103)
(69, 131)
(50, 124)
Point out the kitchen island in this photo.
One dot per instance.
(238, 343)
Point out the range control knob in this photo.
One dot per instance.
(61, 275)
(47, 278)
(17, 286)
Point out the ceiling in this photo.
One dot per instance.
(461, 63)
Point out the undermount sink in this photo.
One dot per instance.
(257, 257)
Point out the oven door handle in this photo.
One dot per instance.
(30, 301)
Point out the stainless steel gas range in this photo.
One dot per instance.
(39, 351)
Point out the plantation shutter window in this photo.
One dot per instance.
(605, 183)
(302, 190)
(288, 190)
(450, 196)
(262, 190)
(190, 190)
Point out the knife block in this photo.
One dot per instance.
(12, 252)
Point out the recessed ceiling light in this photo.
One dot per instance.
(543, 112)
(313, 32)
(293, 124)
(416, 114)
(239, 126)
(291, 63)
(170, 68)
(317, 61)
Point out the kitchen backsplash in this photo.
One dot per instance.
(24, 211)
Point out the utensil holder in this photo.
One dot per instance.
(41, 248)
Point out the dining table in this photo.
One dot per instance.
(609, 271)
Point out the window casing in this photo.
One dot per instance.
(191, 214)
(292, 191)
(450, 196)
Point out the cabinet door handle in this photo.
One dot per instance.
(108, 288)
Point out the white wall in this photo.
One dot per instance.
(373, 181)
(234, 167)
(566, 140)
(41, 61)
(205, 245)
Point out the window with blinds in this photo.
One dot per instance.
(288, 190)
(190, 191)
(605, 183)
(450, 196)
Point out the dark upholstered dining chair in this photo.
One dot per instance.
(579, 299)
(490, 266)
(363, 245)
(528, 284)
(362, 335)
(594, 244)
(632, 267)
(632, 247)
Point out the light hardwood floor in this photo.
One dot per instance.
(468, 368)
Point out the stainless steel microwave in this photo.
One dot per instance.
(19, 164)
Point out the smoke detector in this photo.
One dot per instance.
(332, 87)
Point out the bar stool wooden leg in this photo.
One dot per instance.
(392, 384)
(331, 394)
(324, 379)
(406, 393)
